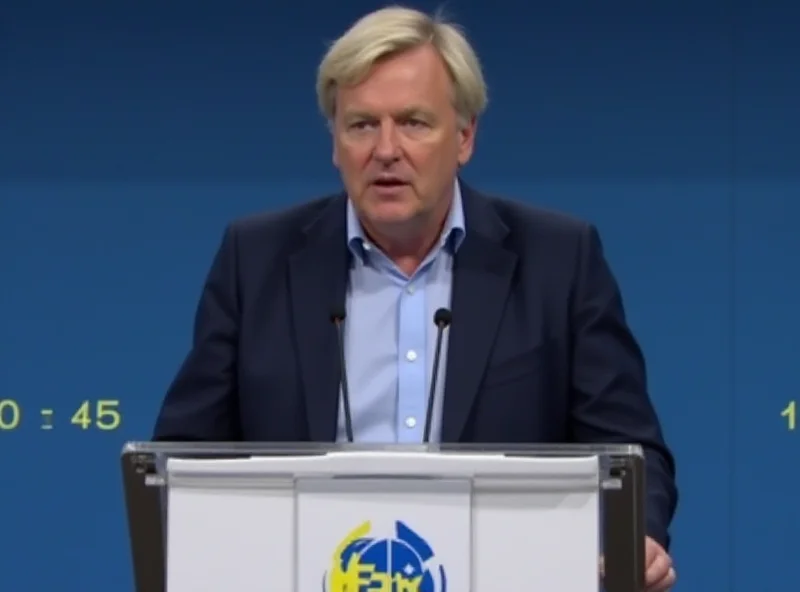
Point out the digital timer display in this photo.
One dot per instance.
(102, 414)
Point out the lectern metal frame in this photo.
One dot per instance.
(623, 498)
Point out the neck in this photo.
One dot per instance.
(408, 245)
(406, 250)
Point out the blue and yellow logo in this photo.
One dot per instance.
(403, 563)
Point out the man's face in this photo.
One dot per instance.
(397, 142)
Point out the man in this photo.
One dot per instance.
(538, 349)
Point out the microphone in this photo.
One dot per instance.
(442, 320)
(337, 318)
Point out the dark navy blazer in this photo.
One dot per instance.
(539, 351)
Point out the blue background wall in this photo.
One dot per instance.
(131, 132)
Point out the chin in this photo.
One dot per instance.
(395, 193)
(392, 213)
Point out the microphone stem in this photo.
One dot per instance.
(348, 418)
(434, 375)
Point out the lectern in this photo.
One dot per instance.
(352, 518)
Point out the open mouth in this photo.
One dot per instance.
(389, 182)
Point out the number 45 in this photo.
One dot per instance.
(106, 415)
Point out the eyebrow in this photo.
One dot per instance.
(403, 114)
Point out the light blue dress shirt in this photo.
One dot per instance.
(390, 336)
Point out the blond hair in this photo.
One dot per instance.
(393, 30)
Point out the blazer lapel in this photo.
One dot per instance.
(317, 285)
(482, 274)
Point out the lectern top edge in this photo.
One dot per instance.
(312, 448)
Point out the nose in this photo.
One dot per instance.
(387, 145)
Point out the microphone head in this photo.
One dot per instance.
(442, 318)
(337, 314)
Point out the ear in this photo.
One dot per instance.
(335, 149)
(466, 141)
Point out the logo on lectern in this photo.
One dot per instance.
(403, 562)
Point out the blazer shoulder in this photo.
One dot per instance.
(258, 242)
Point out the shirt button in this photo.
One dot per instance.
(410, 422)
(410, 289)
(411, 355)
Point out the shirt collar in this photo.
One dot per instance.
(451, 237)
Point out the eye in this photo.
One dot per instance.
(413, 122)
(360, 125)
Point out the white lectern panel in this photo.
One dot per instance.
(230, 536)
(542, 540)
(384, 522)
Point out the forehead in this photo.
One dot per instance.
(417, 77)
